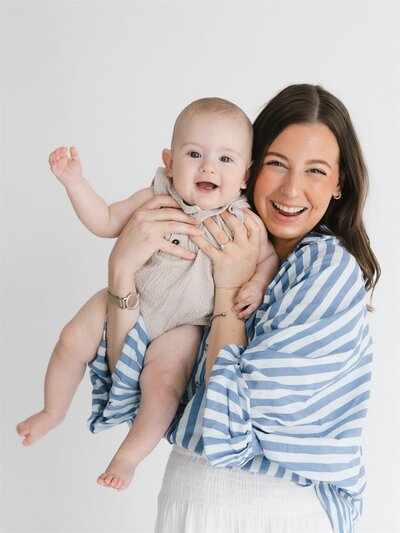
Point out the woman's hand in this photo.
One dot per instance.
(144, 234)
(236, 262)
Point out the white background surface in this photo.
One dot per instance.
(110, 77)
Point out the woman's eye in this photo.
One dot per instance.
(275, 163)
(317, 171)
(226, 159)
(194, 154)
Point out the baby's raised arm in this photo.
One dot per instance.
(101, 219)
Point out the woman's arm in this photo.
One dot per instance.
(233, 266)
(298, 393)
(226, 329)
(142, 236)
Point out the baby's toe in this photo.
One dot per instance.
(120, 485)
(27, 440)
(108, 479)
(114, 482)
(21, 429)
(101, 480)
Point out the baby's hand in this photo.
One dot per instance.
(250, 296)
(67, 170)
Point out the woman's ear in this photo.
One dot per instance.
(167, 160)
(338, 191)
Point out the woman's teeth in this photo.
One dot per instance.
(289, 210)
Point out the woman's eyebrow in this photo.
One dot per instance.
(277, 154)
(309, 162)
(318, 161)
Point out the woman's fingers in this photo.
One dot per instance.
(168, 227)
(159, 215)
(232, 221)
(206, 247)
(243, 233)
(162, 222)
(177, 251)
(144, 234)
(234, 264)
(250, 230)
(253, 225)
(216, 231)
(162, 201)
(161, 208)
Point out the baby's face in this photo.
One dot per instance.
(209, 159)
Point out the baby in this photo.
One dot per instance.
(205, 170)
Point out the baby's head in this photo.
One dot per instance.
(210, 152)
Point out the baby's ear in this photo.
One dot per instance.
(167, 160)
(246, 177)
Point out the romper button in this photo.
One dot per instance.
(175, 241)
(197, 384)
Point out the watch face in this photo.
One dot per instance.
(131, 301)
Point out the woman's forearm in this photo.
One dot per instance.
(142, 236)
(226, 329)
(119, 321)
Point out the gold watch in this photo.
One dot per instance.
(130, 301)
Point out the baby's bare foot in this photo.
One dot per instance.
(34, 427)
(118, 475)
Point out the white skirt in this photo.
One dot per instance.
(196, 497)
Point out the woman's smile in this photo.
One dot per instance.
(299, 176)
(287, 210)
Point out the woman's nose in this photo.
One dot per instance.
(291, 185)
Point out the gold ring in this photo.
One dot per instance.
(225, 244)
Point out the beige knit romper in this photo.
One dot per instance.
(176, 291)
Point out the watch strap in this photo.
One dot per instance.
(130, 301)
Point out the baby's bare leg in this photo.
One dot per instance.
(76, 346)
(169, 363)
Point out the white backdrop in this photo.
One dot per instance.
(110, 77)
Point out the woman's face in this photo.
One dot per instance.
(299, 176)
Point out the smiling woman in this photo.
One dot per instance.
(313, 131)
(299, 177)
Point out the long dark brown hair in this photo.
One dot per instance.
(310, 104)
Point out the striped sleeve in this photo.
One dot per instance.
(116, 397)
(298, 393)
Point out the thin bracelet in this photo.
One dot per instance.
(226, 314)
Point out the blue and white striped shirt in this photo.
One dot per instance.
(293, 402)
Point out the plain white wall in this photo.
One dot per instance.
(110, 77)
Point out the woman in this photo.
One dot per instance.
(291, 404)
